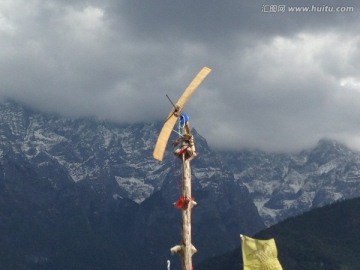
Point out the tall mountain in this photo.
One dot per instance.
(285, 185)
(324, 238)
(96, 183)
(76, 193)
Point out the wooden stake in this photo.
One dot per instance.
(186, 153)
(186, 249)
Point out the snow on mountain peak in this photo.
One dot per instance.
(118, 159)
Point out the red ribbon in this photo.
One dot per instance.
(181, 202)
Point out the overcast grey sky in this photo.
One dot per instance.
(281, 79)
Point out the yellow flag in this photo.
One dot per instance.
(259, 254)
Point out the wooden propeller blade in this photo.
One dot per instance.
(170, 121)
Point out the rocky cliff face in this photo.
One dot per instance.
(114, 158)
(96, 183)
(89, 191)
(284, 185)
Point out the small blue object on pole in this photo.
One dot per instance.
(184, 118)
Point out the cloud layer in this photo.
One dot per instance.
(281, 80)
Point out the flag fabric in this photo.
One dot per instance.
(259, 254)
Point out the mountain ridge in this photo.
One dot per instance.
(284, 185)
(104, 175)
(106, 172)
(280, 184)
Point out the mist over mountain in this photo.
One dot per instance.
(87, 194)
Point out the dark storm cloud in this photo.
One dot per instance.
(280, 80)
(222, 21)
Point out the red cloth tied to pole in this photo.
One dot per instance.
(181, 202)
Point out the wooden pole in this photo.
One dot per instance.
(186, 249)
(186, 216)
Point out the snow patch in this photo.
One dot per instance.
(117, 197)
(263, 211)
(295, 180)
(327, 167)
(136, 188)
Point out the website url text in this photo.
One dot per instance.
(309, 9)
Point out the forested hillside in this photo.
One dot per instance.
(324, 238)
